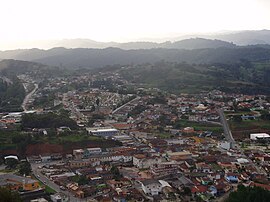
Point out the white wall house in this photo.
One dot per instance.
(151, 187)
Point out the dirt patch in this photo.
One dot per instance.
(37, 149)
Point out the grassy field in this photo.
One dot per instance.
(250, 125)
(201, 126)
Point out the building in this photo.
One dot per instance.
(15, 182)
(82, 163)
(91, 151)
(141, 161)
(39, 200)
(151, 187)
(102, 131)
(259, 136)
(164, 168)
(78, 153)
(225, 145)
(59, 197)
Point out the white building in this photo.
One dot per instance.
(59, 197)
(258, 136)
(225, 145)
(151, 187)
(141, 161)
(102, 131)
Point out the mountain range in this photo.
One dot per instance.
(240, 38)
(92, 54)
(95, 58)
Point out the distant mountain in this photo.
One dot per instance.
(242, 38)
(93, 58)
(193, 43)
(198, 43)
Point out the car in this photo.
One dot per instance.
(62, 188)
(38, 176)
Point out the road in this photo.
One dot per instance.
(226, 128)
(48, 182)
(136, 98)
(229, 137)
(28, 96)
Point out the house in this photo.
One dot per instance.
(142, 161)
(45, 158)
(225, 145)
(164, 168)
(151, 187)
(78, 153)
(231, 177)
(91, 151)
(59, 197)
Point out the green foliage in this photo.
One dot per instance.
(239, 77)
(11, 163)
(11, 95)
(249, 194)
(137, 110)
(80, 179)
(49, 120)
(265, 115)
(187, 191)
(237, 118)
(116, 173)
(25, 168)
(8, 196)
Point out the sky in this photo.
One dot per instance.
(23, 21)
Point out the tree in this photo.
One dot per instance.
(116, 173)
(237, 118)
(97, 101)
(187, 191)
(11, 163)
(7, 196)
(25, 168)
(249, 194)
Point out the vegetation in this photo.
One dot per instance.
(8, 196)
(199, 126)
(240, 77)
(25, 168)
(249, 194)
(80, 179)
(11, 95)
(11, 163)
(49, 120)
(116, 173)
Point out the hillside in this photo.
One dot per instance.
(242, 77)
(93, 58)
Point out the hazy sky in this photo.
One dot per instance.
(123, 20)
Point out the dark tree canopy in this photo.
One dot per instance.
(49, 120)
(249, 194)
(7, 196)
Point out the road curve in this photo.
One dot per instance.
(28, 96)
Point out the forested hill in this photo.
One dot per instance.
(12, 94)
(94, 58)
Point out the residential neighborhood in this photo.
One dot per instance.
(144, 146)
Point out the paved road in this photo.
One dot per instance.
(229, 137)
(48, 182)
(28, 96)
(226, 128)
(136, 98)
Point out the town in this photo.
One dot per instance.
(100, 137)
